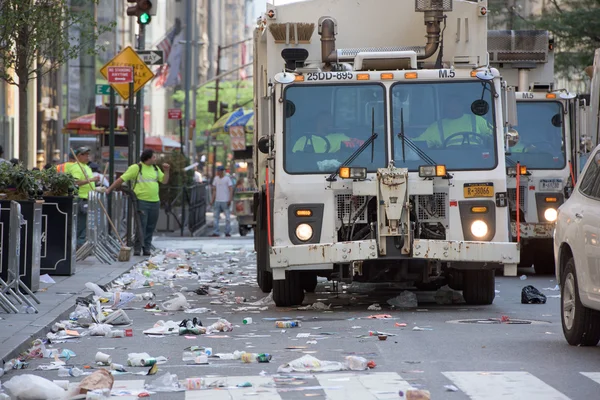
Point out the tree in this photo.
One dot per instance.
(575, 25)
(231, 92)
(35, 40)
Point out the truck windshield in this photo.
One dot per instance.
(439, 119)
(541, 144)
(324, 124)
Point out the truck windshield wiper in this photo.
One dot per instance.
(358, 152)
(411, 144)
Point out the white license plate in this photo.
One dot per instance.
(551, 184)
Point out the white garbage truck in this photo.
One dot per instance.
(550, 120)
(380, 134)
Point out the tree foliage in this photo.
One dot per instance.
(40, 31)
(575, 25)
(37, 37)
(230, 92)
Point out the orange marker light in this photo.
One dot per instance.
(411, 75)
(363, 77)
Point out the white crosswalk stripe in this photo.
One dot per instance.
(514, 385)
(376, 386)
(476, 385)
(595, 376)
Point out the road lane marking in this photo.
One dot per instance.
(125, 385)
(347, 386)
(263, 387)
(514, 385)
(595, 376)
(384, 385)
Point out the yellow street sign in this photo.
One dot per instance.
(141, 73)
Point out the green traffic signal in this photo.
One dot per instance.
(144, 18)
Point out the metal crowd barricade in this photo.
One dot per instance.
(98, 242)
(15, 287)
(197, 207)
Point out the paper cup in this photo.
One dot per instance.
(103, 358)
(202, 359)
(208, 351)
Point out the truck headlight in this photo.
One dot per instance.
(479, 229)
(304, 232)
(551, 214)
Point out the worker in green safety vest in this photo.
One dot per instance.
(457, 126)
(323, 140)
(145, 177)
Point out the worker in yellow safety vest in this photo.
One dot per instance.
(144, 178)
(64, 167)
(456, 127)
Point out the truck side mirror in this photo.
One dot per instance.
(512, 137)
(511, 107)
(263, 145)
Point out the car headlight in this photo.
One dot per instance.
(479, 229)
(551, 214)
(304, 232)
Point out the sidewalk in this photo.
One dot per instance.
(57, 301)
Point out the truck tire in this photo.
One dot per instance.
(581, 325)
(288, 292)
(479, 286)
(309, 281)
(455, 279)
(264, 277)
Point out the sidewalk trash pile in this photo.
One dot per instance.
(308, 363)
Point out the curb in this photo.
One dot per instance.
(45, 322)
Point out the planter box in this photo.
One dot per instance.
(59, 235)
(31, 240)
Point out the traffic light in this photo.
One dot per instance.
(223, 109)
(141, 10)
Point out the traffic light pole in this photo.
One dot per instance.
(140, 100)
(111, 141)
(217, 109)
(130, 160)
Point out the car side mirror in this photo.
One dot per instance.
(263, 145)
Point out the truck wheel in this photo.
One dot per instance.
(309, 281)
(479, 286)
(455, 279)
(581, 325)
(289, 291)
(543, 261)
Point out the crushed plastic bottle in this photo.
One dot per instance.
(75, 372)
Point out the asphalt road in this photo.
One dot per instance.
(460, 346)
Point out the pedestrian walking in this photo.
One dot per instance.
(86, 183)
(145, 177)
(222, 194)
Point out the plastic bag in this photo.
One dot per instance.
(355, 363)
(180, 303)
(406, 299)
(309, 363)
(100, 329)
(32, 387)
(165, 383)
(530, 295)
(82, 315)
(163, 328)
(445, 295)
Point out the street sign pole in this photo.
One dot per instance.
(130, 161)
(140, 100)
(111, 143)
(181, 178)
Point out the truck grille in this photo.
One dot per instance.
(347, 203)
(433, 207)
(512, 195)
